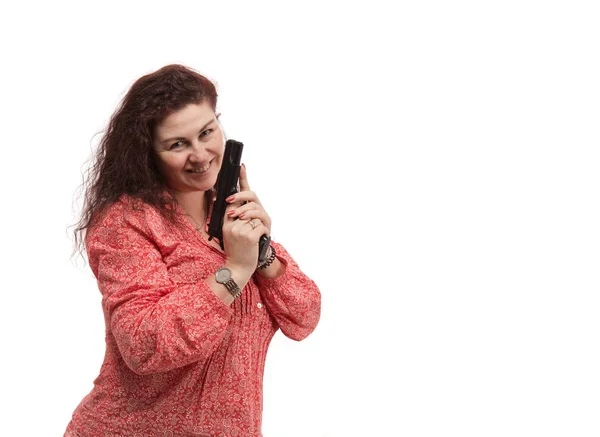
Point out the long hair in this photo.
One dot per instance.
(124, 162)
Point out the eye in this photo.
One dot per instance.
(176, 145)
(205, 133)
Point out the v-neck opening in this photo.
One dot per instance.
(195, 230)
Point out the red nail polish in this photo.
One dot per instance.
(230, 198)
(230, 213)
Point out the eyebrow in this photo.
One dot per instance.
(168, 140)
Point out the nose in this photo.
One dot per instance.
(198, 153)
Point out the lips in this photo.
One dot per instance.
(200, 170)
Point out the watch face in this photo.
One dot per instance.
(223, 275)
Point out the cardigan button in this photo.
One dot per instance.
(259, 305)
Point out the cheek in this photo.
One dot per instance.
(220, 150)
(167, 167)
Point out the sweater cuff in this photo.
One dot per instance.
(291, 269)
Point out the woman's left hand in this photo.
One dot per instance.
(253, 209)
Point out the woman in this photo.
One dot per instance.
(187, 324)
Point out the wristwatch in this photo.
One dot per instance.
(223, 276)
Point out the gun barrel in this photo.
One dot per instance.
(235, 153)
(227, 184)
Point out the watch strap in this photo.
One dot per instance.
(233, 288)
(230, 284)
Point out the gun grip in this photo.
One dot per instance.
(263, 246)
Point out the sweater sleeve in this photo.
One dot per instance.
(293, 299)
(157, 325)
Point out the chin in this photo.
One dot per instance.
(212, 180)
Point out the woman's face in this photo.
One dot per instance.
(188, 146)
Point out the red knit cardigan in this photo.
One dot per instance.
(180, 362)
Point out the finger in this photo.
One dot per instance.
(230, 212)
(254, 222)
(247, 207)
(244, 186)
(232, 204)
(258, 223)
(243, 197)
(259, 214)
(259, 231)
(244, 227)
(237, 210)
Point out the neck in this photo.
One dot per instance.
(193, 204)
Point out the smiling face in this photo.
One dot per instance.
(188, 145)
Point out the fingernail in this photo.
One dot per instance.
(230, 213)
(230, 199)
(242, 215)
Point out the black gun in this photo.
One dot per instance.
(227, 184)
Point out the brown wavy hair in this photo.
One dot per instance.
(124, 162)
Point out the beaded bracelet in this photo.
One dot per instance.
(267, 262)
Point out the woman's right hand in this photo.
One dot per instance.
(240, 241)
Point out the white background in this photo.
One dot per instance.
(432, 165)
